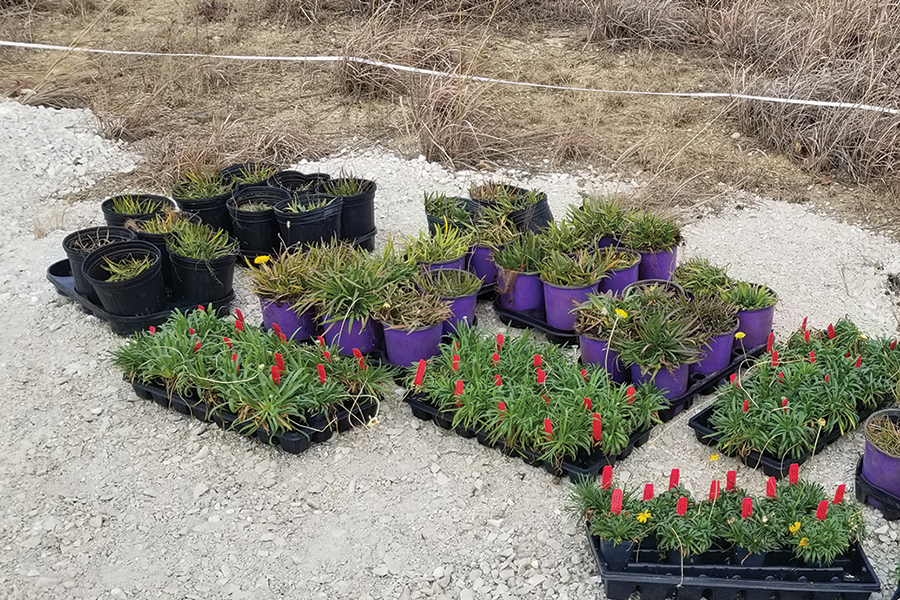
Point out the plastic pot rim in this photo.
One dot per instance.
(569, 287)
(889, 412)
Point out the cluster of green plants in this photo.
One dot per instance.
(267, 381)
(448, 208)
(813, 385)
(137, 205)
(162, 223)
(126, 268)
(504, 196)
(699, 276)
(884, 432)
(525, 394)
(200, 242)
(199, 184)
(797, 517)
(346, 185)
(656, 327)
(253, 174)
(305, 203)
(447, 243)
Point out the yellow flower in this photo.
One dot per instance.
(803, 542)
(739, 335)
(621, 313)
(644, 516)
(261, 259)
(713, 457)
(795, 527)
(822, 422)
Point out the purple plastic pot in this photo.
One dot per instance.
(360, 335)
(456, 263)
(717, 354)
(463, 309)
(294, 325)
(525, 293)
(481, 262)
(879, 468)
(618, 279)
(406, 348)
(658, 265)
(671, 383)
(607, 241)
(559, 300)
(755, 325)
(595, 351)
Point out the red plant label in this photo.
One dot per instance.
(227, 342)
(326, 355)
(831, 333)
(499, 342)
(746, 508)
(746, 405)
(803, 324)
(822, 511)
(455, 363)
(892, 346)
(538, 361)
(714, 490)
(771, 487)
(793, 474)
(420, 373)
(770, 341)
(730, 480)
(597, 427)
(279, 361)
(584, 374)
(806, 336)
(606, 477)
(240, 315)
(548, 428)
(191, 331)
(681, 507)
(239, 325)
(858, 361)
(826, 377)
(497, 380)
(152, 331)
(629, 394)
(321, 341)
(673, 478)
(357, 354)
(321, 369)
(541, 376)
(276, 375)
(615, 505)
(839, 494)
(496, 359)
(501, 406)
(459, 388)
(774, 358)
(588, 404)
(196, 346)
(648, 491)
(812, 357)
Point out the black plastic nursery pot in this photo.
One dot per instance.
(213, 210)
(159, 240)
(720, 580)
(310, 227)
(232, 172)
(197, 281)
(144, 294)
(357, 211)
(257, 230)
(534, 217)
(295, 181)
(470, 206)
(92, 236)
(116, 219)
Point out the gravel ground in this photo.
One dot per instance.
(104, 495)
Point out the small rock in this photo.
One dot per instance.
(96, 522)
(200, 489)
(380, 570)
(467, 594)
(118, 594)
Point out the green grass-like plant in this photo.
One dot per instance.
(446, 207)
(712, 314)
(200, 242)
(585, 268)
(256, 207)
(749, 296)
(449, 283)
(699, 276)
(884, 432)
(199, 185)
(662, 338)
(598, 217)
(136, 205)
(447, 243)
(307, 204)
(164, 222)
(650, 232)
(126, 268)
(409, 309)
(254, 173)
(563, 237)
(346, 185)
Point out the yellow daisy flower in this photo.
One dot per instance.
(795, 527)
(261, 259)
(621, 313)
(739, 335)
(713, 457)
(644, 516)
(803, 542)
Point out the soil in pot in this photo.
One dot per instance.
(253, 213)
(133, 207)
(77, 245)
(407, 347)
(520, 291)
(196, 281)
(108, 270)
(881, 462)
(560, 300)
(294, 325)
(309, 219)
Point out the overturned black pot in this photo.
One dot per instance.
(144, 294)
(312, 226)
(74, 243)
(117, 219)
(257, 230)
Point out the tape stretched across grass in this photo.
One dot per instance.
(407, 69)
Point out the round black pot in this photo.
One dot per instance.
(306, 228)
(197, 281)
(232, 172)
(470, 206)
(534, 217)
(295, 181)
(257, 231)
(76, 257)
(213, 210)
(115, 219)
(141, 295)
(358, 212)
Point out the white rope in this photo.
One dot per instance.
(407, 69)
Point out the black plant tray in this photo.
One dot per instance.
(583, 466)
(317, 430)
(535, 319)
(60, 275)
(867, 493)
(897, 593)
(770, 465)
(659, 581)
(488, 291)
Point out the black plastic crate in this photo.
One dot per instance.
(868, 493)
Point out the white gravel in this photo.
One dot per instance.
(104, 495)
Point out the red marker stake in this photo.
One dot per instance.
(771, 487)
(746, 405)
(648, 492)
(276, 375)
(629, 394)
(606, 477)
(499, 342)
(831, 333)
(839, 494)
(812, 357)
(681, 507)
(279, 361)
(240, 315)
(501, 406)
(588, 404)
(548, 428)
(420, 373)
(793, 474)
(746, 508)
(774, 358)
(537, 360)
(803, 325)
(597, 427)
(770, 341)
(455, 363)
(152, 331)
(806, 336)
(584, 373)
(822, 511)
(459, 388)
(496, 359)
(615, 505)
(714, 490)
(321, 369)
(541, 376)
(497, 380)
(673, 478)
(730, 480)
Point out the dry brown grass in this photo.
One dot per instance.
(666, 24)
